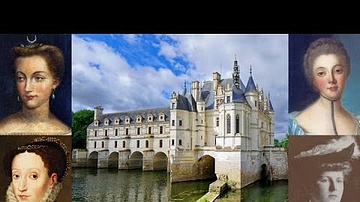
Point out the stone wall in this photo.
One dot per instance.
(228, 165)
(278, 163)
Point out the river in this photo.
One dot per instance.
(105, 185)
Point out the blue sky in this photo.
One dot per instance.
(124, 72)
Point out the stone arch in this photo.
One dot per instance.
(160, 161)
(204, 167)
(136, 160)
(113, 161)
(264, 175)
(93, 159)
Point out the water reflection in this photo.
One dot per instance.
(105, 185)
(276, 191)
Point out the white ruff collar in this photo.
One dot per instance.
(49, 196)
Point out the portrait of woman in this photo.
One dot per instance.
(37, 73)
(323, 171)
(318, 79)
(37, 170)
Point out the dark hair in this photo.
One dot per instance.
(323, 46)
(53, 56)
(52, 151)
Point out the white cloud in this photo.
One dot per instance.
(102, 75)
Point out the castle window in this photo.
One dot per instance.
(161, 118)
(138, 143)
(172, 142)
(161, 129)
(227, 99)
(124, 144)
(105, 132)
(94, 144)
(172, 105)
(255, 103)
(217, 121)
(117, 121)
(138, 119)
(126, 131)
(147, 143)
(106, 121)
(116, 132)
(180, 142)
(228, 123)
(127, 120)
(96, 123)
(180, 122)
(138, 130)
(150, 118)
(115, 144)
(102, 144)
(149, 130)
(161, 143)
(173, 122)
(237, 124)
(95, 133)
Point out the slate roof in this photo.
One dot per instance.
(133, 114)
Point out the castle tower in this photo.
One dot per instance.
(252, 96)
(271, 113)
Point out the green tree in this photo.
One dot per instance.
(80, 121)
(285, 142)
(276, 142)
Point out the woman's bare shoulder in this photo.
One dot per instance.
(9, 121)
(59, 126)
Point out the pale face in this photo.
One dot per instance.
(34, 81)
(329, 76)
(30, 178)
(329, 187)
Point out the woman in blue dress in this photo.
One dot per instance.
(327, 67)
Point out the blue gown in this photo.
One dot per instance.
(295, 129)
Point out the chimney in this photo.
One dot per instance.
(195, 89)
(216, 79)
(98, 112)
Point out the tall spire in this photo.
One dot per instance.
(271, 108)
(236, 74)
(184, 93)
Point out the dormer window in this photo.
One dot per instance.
(117, 121)
(138, 119)
(150, 118)
(127, 120)
(161, 117)
(96, 123)
(106, 121)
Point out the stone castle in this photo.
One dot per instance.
(219, 128)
